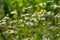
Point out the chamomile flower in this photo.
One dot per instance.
(43, 11)
(33, 15)
(26, 18)
(48, 13)
(57, 16)
(11, 21)
(9, 31)
(6, 17)
(54, 6)
(34, 19)
(42, 18)
(14, 12)
(42, 15)
(27, 14)
(20, 20)
(42, 4)
(2, 22)
(29, 23)
(22, 15)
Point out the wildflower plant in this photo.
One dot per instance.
(30, 20)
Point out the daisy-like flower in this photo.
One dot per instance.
(22, 15)
(42, 15)
(34, 19)
(33, 15)
(27, 14)
(31, 19)
(48, 13)
(14, 12)
(20, 20)
(54, 6)
(10, 31)
(11, 21)
(43, 11)
(29, 23)
(15, 21)
(35, 12)
(42, 18)
(42, 4)
(2, 22)
(26, 18)
(6, 17)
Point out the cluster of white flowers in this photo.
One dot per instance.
(32, 19)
